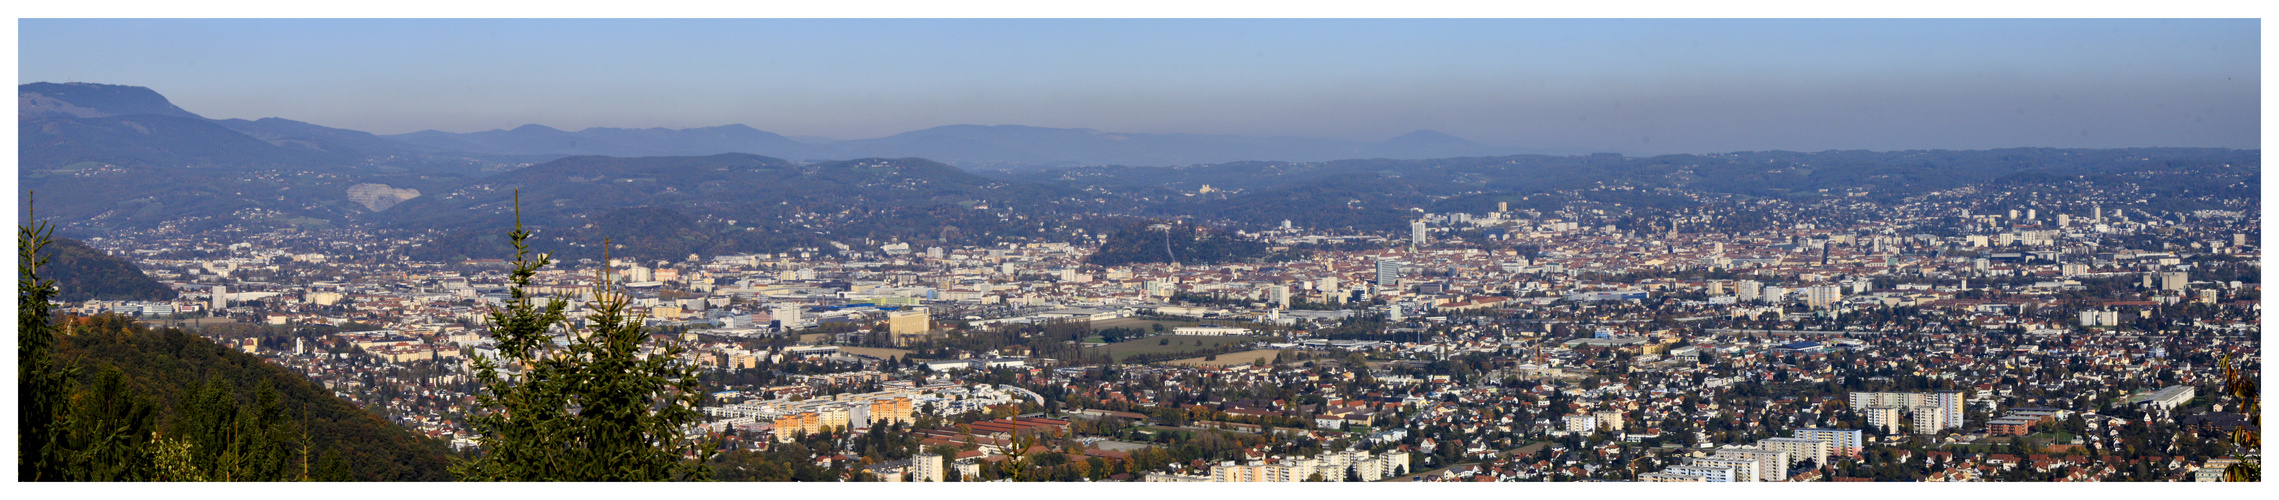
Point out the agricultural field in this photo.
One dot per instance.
(1232, 359)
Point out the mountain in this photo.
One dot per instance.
(289, 133)
(167, 365)
(543, 140)
(61, 124)
(59, 140)
(999, 146)
(64, 123)
(93, 100)
(84, 273)
(732, 203)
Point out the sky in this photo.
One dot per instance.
(1636, 86)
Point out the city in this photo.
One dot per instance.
(2052, 340)
(1020, 245)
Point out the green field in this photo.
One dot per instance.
(1167, 343)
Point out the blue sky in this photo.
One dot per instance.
(1635, 86)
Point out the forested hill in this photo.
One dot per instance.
(1149, 241)
(167, 366)
(670, 207)
(85, 273)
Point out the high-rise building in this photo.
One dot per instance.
(2175, 281)
(1882, 417)
(1846, 442)
(1932, 411)
(1798, 449)
(926, 468)
(221, 298)
(1281, 295)
(1416, 232)
(1388, 272)
(911, 321)
(1772, 465)
(788, 314)
(1752, 290)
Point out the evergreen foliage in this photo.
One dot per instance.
(604, 404)
(41, 381)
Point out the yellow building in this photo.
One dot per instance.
(911, 321)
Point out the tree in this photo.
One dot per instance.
(41, 382)
(2248, 443)
(604, 407)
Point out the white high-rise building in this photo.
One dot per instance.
(926, 468)
(786, 313)
(1772, 465)
(1752, 290)
(1281, 295)
(1823, 296)
(1416, 232)
(1388, 272)
(221, 298)
(1798, 449)
(1949, 414)
(1847, 442)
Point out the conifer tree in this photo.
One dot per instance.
(42, 383)
(603, 403)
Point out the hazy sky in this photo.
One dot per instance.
(1634, 86)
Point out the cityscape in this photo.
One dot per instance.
(879, 311)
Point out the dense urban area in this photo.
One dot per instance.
(1980, 333)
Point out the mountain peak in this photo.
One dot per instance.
(92, 100)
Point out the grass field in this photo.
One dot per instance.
(1166, 344)
(1232, 359)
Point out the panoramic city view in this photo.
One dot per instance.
(1139, 250)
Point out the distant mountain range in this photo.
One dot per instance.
(108, 156)
(65, 123)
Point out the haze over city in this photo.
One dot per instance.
(1632, 86)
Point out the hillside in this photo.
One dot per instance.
(164, 366)
(669, 207)
(84, 273)
(1148, 241)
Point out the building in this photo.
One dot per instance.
(1798, 449)
(1743, 470)
(1706, 473)
(1882, 417)
(1610, 420)
(1581, 423)
(1388, 272)
(1772, 465)
(926, 468)
(1671, 477)
(1416, 232)
(1846, 442)
(2011, 426)
(2167, 398)
(1949, 404)
(908, 325)
(1823, 296)
(2175, 281)
(221, 298)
